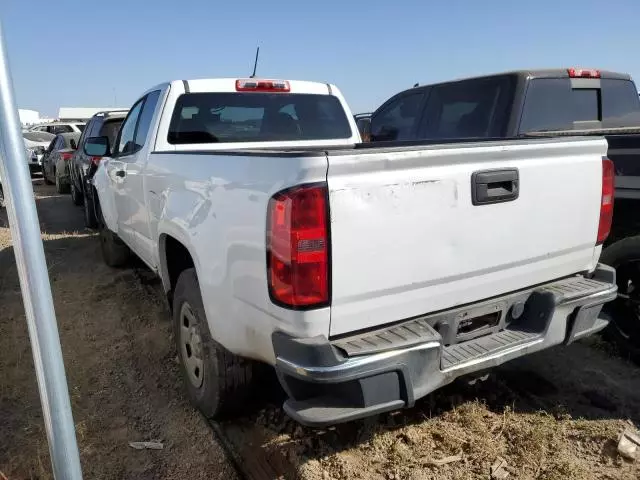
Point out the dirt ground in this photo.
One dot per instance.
(555, 415)
(121, 368)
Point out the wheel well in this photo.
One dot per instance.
(178, 259)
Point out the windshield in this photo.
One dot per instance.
(257, 117)
(38, 136)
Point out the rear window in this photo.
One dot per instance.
(256, 117)
(80, 126)
(552, 104)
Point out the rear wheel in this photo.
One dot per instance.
(76, 196)
(90, 217)
(61, 187)
(218, 382)
(114, 251)
(45, 177)
(624, 329)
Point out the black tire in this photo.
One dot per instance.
(45, 178)
(114, 251)
(76, 196)
(61, 187)
(90, 217)
(226, 379)
(2, 201)
(624, 329)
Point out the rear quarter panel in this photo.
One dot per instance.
(216, 206)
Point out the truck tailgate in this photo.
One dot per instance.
(407, 238)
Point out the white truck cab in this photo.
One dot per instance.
(367, 275)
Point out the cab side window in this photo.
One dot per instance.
(150, 102)
(128, 130)
(135, 128)
(398, 119)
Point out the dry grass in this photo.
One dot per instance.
(554, 415)
(535, 446)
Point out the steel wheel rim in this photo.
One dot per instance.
(191, 346)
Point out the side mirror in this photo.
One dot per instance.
(97, 147)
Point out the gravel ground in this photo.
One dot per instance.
(554, 415)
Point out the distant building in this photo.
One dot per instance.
(28, 117)
(79, 114)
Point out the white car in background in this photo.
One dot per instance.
(59, 127)
(36, 144)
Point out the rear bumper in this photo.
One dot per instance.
(341, 380)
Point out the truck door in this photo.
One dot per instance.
(120, 172)
(128, 167)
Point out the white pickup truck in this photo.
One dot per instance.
(367, 275)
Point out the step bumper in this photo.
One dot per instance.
(330, 382)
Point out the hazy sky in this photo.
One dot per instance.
(100, 53)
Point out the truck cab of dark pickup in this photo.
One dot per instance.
(557, 102)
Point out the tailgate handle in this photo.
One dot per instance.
(494, 186)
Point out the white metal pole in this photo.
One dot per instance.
(34, 283)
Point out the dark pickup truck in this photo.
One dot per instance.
(567, 102)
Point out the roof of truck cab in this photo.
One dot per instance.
(539, 73)
(228, 85)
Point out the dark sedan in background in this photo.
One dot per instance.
(83, 166)
(55, 163)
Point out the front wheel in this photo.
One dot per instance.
(114, 252)
(624, 329)
(218, 382)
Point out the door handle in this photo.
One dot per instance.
(495, 186)
(121, 173)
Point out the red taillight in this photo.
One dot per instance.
(96, 160)
(298, 247)
(254, 85)
(583, 73)
(66, 155)
(606, 204)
